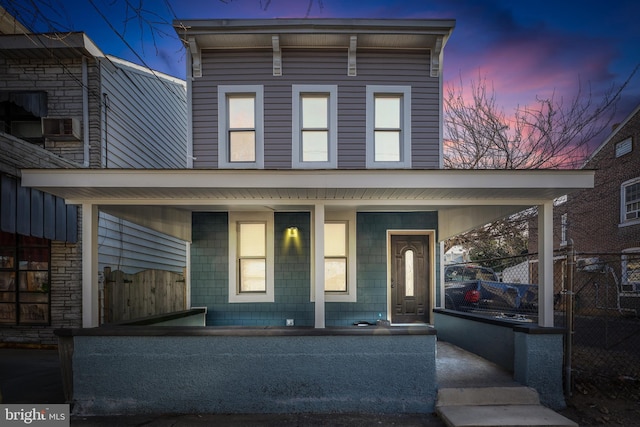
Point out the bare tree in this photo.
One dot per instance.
(550, 134)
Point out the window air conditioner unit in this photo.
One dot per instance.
(66, 128)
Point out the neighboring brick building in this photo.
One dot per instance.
(41, 271)
(62, 105)
(603, 223)
(607, 217)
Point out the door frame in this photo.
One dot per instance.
(431, 291)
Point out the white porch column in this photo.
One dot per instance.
(317, 220)
(545, 264)
(90, 294)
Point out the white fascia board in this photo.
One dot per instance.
(181, 178)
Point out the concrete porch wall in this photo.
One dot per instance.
(128, 370)
(533, 354)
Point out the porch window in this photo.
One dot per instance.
(240, 127)
(24, 280)
(335, 256)
(314, 126)
(388, 126)
(251, 257)
(339, 257)
(630, 202)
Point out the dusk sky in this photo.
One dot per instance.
(523, 48)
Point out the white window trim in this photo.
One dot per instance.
(352, 284)
(405, 143)
(223, 143)
(296, 152)
(234, 295)
(623, 205)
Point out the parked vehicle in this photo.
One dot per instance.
(478, 289)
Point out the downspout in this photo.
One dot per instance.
(189, 79)
(85, 111)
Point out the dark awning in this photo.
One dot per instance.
(35, 102)
(30, 212)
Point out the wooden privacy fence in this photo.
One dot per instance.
(147, 293)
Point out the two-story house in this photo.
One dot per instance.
(65, 104)
(314, 197)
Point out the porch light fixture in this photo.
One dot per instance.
(292, 231)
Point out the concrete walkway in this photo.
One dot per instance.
(33, 376)
(474, 392)
(496, 406)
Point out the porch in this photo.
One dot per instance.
(141, 368)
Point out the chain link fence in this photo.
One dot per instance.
(595, 294)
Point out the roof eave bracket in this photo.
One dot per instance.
(277, 56)
(436, 57)
(196, 59)
(351, 68)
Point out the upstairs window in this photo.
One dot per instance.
(630, 202)
(388, 127)
(314, 126)
(240, 127)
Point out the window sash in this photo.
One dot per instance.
(336, 261)
(252, 275)
(240, 126)
(315, 145)
(388, 126)
(335, 274)
(314, 126)
(632, 201)
(252, 257)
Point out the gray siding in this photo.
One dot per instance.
(317, 67)
(145, 119)
(144, 126)
(131, 248)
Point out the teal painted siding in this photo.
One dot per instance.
(209, 270)
(372, 264)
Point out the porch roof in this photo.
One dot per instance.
(198, 187)
(464, 199)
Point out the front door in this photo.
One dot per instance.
(409, 278)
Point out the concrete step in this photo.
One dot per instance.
(496, 406)
(487, 396)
